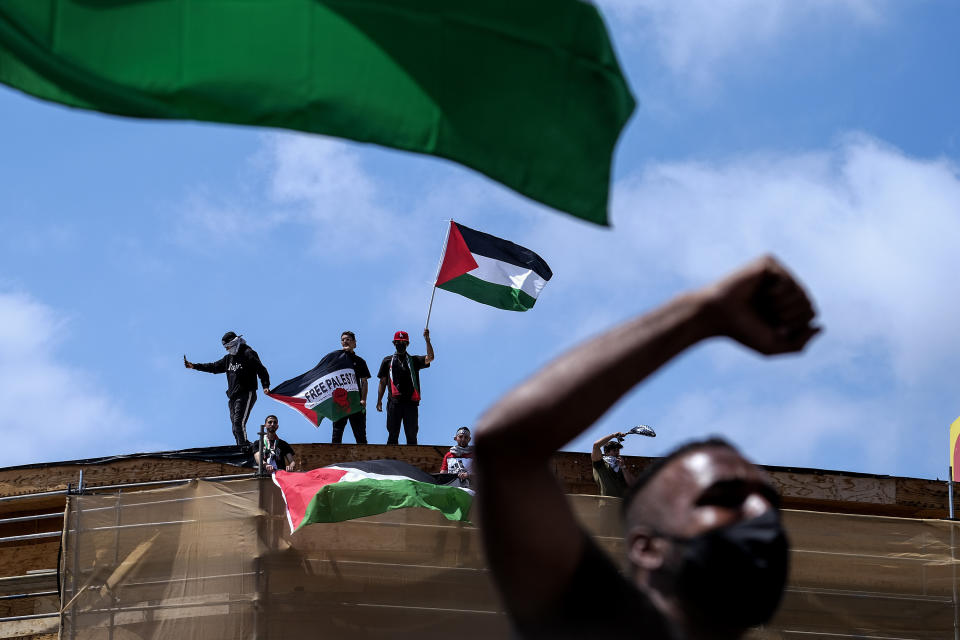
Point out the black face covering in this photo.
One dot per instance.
(731, 577)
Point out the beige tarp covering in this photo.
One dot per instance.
(215, 560)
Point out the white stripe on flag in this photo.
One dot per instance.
(508, 275)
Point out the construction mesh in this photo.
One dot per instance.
(216, 560)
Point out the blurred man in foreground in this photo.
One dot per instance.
(707, 553)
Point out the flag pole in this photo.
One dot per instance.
(950, 491)
(443, 253)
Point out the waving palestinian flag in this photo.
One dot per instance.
(491, 270)
(351, 490)
(329, 390)
(528, 92)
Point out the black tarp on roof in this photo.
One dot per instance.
(223, 455)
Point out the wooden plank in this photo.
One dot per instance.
(37, 629)
(31, 505)
(29, 606)
(17, 559)
(57, 477)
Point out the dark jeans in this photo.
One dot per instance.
(407, 412)
(358, 422)
(240, 407)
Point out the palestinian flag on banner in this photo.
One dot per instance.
(528, 92)
(491, 270)
(329, 390)
(351, 490)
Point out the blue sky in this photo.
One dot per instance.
(822, 131)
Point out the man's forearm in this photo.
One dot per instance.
(363, 389)
(567, 396)
(430, 356)
(380, 389)
(597, 452)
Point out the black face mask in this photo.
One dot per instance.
(731, 577)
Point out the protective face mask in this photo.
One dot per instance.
(612, 462)
(733, 576)
(234, 345)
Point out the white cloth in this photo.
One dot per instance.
(234, 345)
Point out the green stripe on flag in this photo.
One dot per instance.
(495, 295)
(329, 408)
(348, 500)
(528, 92)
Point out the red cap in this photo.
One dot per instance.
(401, 336)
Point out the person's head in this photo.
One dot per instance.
(270, 425)
(348, 341)
(231, 342)
(612, 448)
(704, 538)
(462, 436)
(401, 340)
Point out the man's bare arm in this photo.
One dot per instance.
(760, 306)
(429, 357)
(596, 454)
(380, 389)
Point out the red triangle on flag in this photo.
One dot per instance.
(457, 259)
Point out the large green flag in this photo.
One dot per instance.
(528, 92)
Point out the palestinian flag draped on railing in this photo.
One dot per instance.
(349, 490)
(329, 390)
(491, 270)
(528, 92)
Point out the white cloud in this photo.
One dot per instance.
(317, 183)
(870, 230)
(696, 37)
(872, 233)
(49, 410)
(223, 220)
(799, 431)
(322, 182)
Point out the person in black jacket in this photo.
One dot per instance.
(242, 366)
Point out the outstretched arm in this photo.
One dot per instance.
(220, 366)
(760, 306)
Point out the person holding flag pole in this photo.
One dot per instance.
(401, 372)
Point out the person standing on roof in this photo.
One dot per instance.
(401, 372)
(609, 471)
(242, 366)
(358, 420)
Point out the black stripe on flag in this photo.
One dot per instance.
(484, 244)
(388, 468)
(333, 361)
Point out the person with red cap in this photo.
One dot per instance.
(401, 372)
